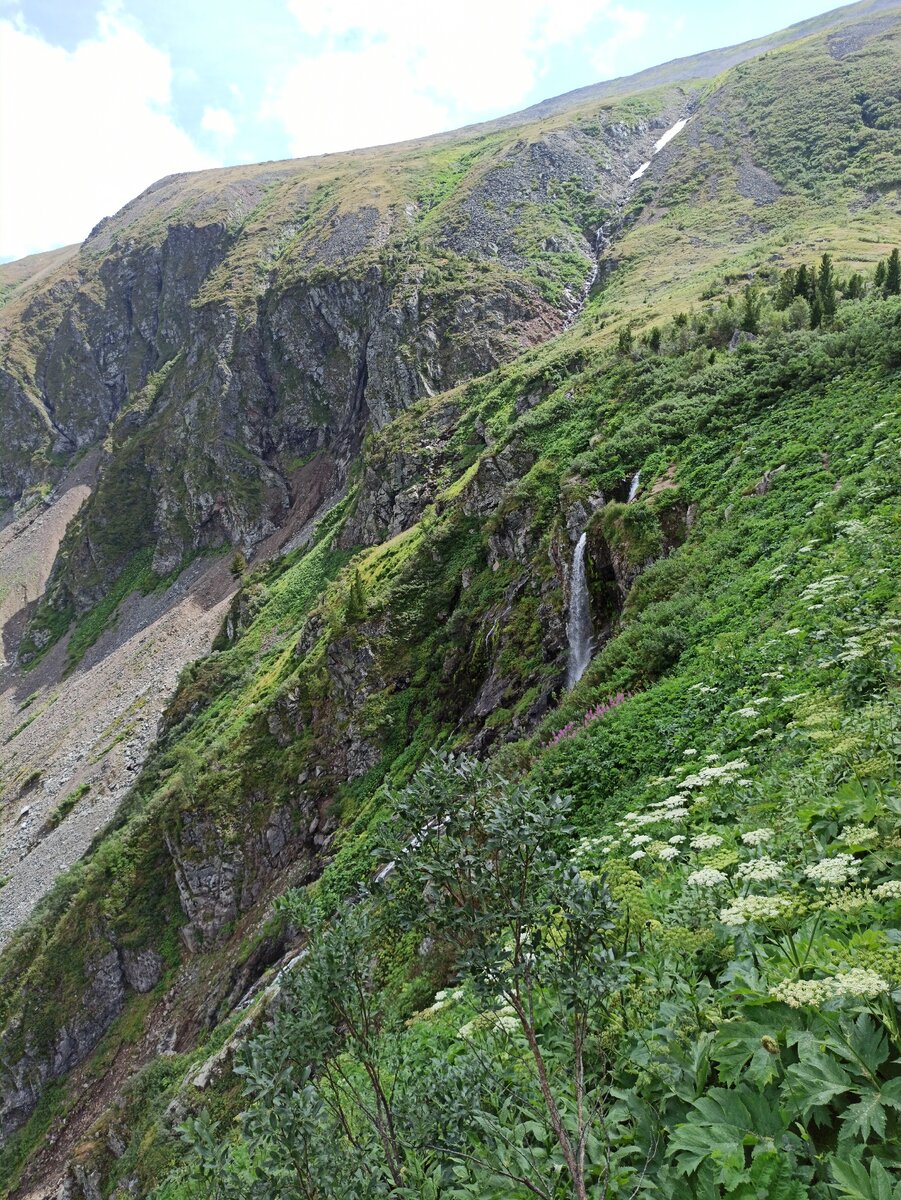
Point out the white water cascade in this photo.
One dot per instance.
(633, 486)
(578, 622)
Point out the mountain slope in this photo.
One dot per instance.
(276, 359)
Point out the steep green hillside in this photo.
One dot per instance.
(638, 938)
(765, 639)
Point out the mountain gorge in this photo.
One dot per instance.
(298, 463)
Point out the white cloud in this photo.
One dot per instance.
(391, 69)
(218, 121)
(631, 25)
(81, 131)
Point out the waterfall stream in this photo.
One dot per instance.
(578, 623)
(633, 486)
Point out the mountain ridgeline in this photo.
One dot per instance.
(450, 658)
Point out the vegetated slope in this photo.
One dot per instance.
(221, 347)
(764, 646)
(428, 610)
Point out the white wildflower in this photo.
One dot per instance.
(636, 855)
(689, 753)
(801, 993)
(833, 872)
(707, 877)
(668, 853)
(449, 994)
(725, 773)
(706, 841)
(649, 818)
(672, 802)
(890, 890)
(859, 835)
(640, 839)
(748, 711)
(757, 837)
(858, 982)
(755, 908)
(677, 839)
(504, 1019)
(711, 758)
(847, 900)
(760, 870)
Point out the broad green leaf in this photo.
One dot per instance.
(772, 1175)
(862, 1041)
(721, 1125)
(817, 1079)
(854, 1181)
(740, 1052)
(865, 1117)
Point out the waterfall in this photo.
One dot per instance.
(578, 623)
(633, 487)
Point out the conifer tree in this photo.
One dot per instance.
(786, 290)
(816, 312)
(238, 565)
(854, 288)
(750, 312)
(804, 283)
(826, 289)
(893, 274)
(879, 274)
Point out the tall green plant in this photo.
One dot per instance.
(483, 858)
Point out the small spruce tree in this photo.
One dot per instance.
(816, 312)
(826, 289)
(238, 566)
(893, 274)
(786, 290)
(804, 283)
(854, 288)
(879, 274)
(750, 311)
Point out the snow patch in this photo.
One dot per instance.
(670, 134)
(658, 145)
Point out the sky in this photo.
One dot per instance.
(100, 98)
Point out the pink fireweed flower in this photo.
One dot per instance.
(593, 714)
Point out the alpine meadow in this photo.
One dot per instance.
(451, 646)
